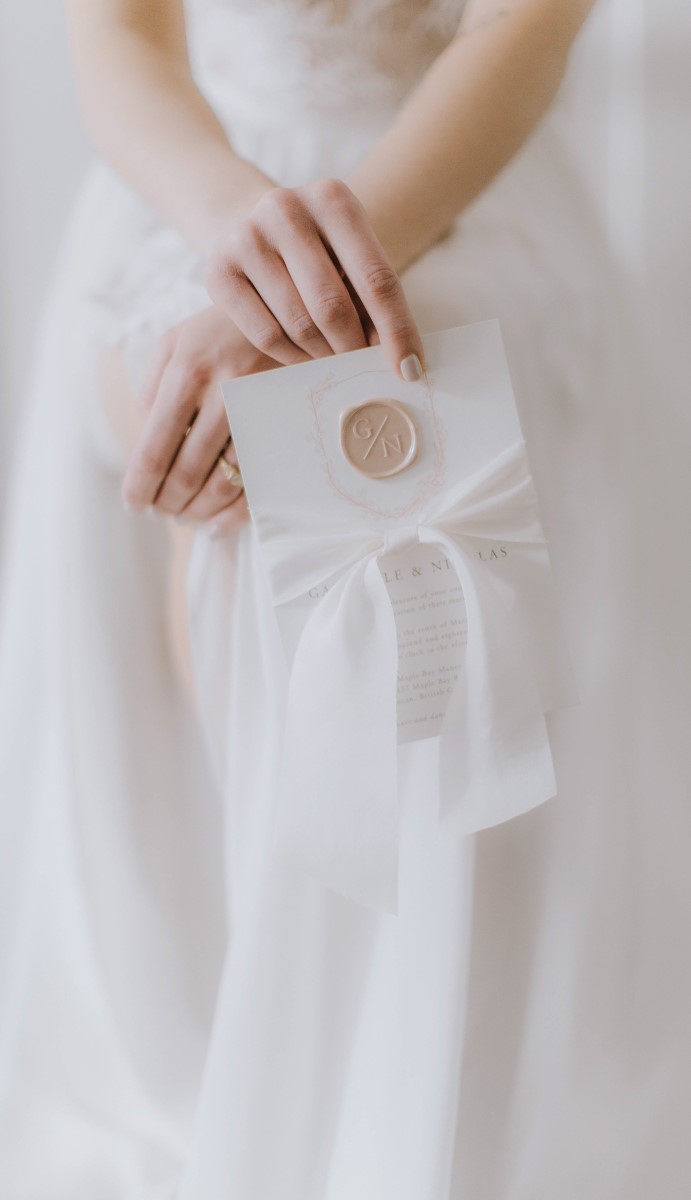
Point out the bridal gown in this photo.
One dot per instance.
(181, 1015)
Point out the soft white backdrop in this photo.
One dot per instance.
(42, 155)
(639, 162)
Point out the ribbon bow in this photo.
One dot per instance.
(339, 815)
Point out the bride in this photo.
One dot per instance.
(181, 1016)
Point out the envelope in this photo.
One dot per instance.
(399, 527)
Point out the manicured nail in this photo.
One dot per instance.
(411, 368)
(215, 532)
(150, 511)
(127, 507)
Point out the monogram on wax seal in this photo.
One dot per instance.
(378, 438)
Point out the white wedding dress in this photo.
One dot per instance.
(182, 1017)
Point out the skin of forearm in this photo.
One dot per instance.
(473, 110)
(145, 115)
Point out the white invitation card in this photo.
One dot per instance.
(398, 524)
(286, 427)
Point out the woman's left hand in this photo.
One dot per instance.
(303, 275)
(174, 466)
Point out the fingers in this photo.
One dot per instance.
(216, 495)
(280, 286)
(278, 278)
(174, 467)
(292, 227)
(360, 253)
(197, 456)
(380, 290)
(164, 352)
(172, 413)
(233, 289)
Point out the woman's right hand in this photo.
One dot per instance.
(174, 466)
(304, 276)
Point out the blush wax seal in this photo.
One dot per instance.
(378, 438)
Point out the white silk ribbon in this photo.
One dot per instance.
(338, 812)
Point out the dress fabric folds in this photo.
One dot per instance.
(183, 1017)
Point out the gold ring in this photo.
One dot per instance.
(231, 473)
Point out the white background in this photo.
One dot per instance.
(646, 184)
(42, 155)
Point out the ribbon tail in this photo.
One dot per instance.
(495, 759)
(475, 798)
(338, 815)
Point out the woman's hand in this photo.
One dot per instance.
(304, 276)
(174, 465)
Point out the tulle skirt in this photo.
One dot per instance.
(181, 1015)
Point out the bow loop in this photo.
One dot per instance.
(338, 816)
(400, 539)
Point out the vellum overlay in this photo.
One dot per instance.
(432, 633)
(340, 452)
(431, 628)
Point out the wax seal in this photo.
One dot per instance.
(378, 438)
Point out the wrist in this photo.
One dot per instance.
(232, 201)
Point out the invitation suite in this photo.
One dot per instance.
(399, 528)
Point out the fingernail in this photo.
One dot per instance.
(150, 511)
(183, 520)
(127, 507)
(215, 532)
(411, 368)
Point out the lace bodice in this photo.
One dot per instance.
(340, 60)
(303, 87)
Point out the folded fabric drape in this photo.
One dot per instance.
(625, 148)
(338, 815)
